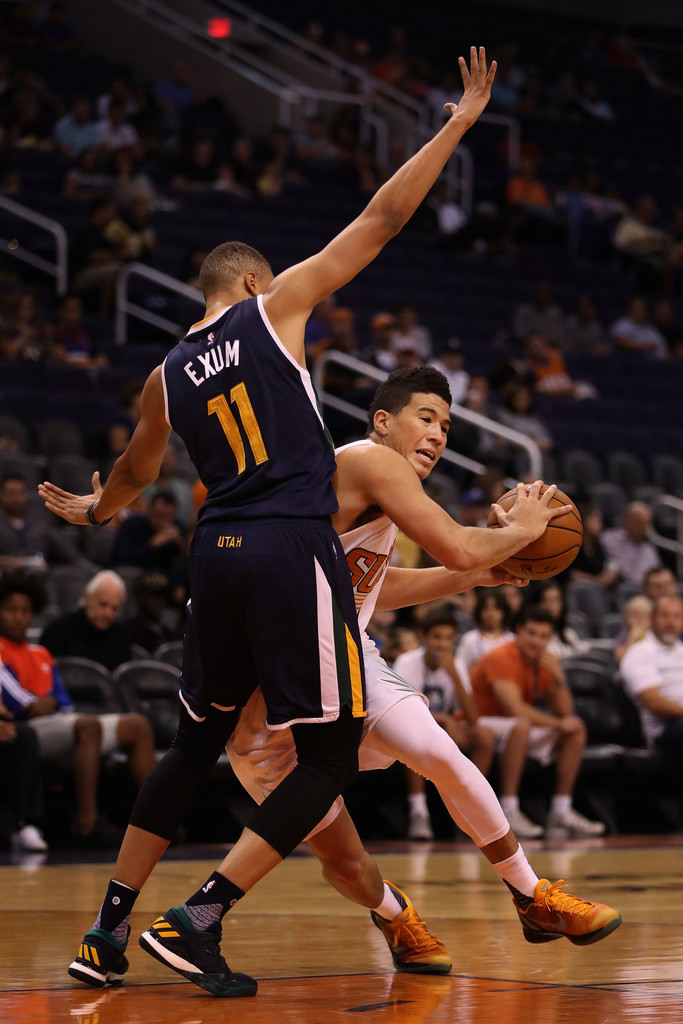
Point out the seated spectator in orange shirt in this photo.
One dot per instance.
(520, 680)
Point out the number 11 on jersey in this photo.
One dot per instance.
(219, 406)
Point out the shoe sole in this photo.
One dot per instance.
(402, 968)
(90, 977)
(239, 985)
(577, 940)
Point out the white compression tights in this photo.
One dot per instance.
(408, 733)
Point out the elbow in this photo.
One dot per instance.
(461, 561)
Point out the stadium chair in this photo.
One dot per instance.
(72, 472)
(581, 468)
(626, 470)
(667, 473)
(14, 431)
(65, 585)
(171, 653)
(90, 685)
(59, 437)
(590, 600)
(151, 687)
(610, 499)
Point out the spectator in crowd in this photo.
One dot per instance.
(98, 254)
(592, 562)
(637, 619)
(71, 343)
(31, 688)
(663, 321)
(115, 132)
(646, 249)
(468, 438)
(492, 617)
(22, 778)
(660, 582)
(652, 673)
(27, 331)
(530, 207)
(450, 362)
(198, 165)
(521, 680)
(27, 537)
(118, 91)
(175, 92)
(627, 545)
(154, 622)
(57, 33)
(540, 316)
(94, 630)
(473, 508)
(152, 539)
(409, 334)
(380, 352)
(77, 130)
(634, 332)
(582, 330)
(594, 104)
(518, 413)
(565, 640)
(279, 164)
(431, 669)
(550, 373)
(88, 177)
(170, 480)
(314, 147)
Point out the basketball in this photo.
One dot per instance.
(554, 550)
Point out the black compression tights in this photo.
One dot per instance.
(170, 786)
(327, 757)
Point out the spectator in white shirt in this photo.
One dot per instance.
(652, 672)
(114, 131)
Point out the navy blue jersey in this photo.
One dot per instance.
(248, 415)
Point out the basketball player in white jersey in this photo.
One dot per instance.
(378, 485)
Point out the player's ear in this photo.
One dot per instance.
(380, 422)
(251, 282)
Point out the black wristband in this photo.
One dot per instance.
(89, 515)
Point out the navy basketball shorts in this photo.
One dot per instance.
(272, 606)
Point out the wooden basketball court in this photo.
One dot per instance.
(319, 959)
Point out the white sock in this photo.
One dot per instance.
(417, 803)
(561, 804)
(389, 908)
(509, 804)
(517, 871)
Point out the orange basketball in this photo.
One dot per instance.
(554, 550)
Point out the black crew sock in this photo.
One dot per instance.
(521, 898)
(212, 901)
(114, 915)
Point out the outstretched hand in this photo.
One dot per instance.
(72, 507)
(531, 509)
(477, 81)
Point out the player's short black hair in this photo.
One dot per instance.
(396, 391)
(22, 582)
(228, 262)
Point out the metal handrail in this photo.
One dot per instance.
(59, 269)
(458, 411)
(670, 501)
(125, 307)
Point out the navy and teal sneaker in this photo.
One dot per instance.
(100, 960)
(196, 955)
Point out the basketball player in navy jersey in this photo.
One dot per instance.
(237, 392)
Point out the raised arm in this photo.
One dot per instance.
(134, 470)
(292, 294)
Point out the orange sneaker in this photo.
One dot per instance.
(554, 914)
(413, 948)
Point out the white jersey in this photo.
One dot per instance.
(261, 757)
(368, 549)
